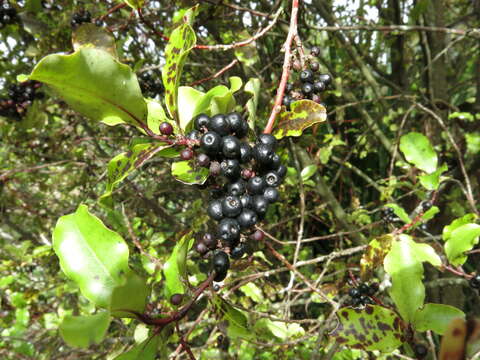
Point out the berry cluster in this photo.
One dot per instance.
(245, 181)
(78, 18)
(389, 216)
(20, 96)
(8, 14)
(150, 85)
(361, 295)
(309, 86)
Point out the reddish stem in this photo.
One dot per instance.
(292, 32)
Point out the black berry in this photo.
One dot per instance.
(176, 299)
(220, 263)
(306, 76)
(231, 147)
(475, 282)
(326, 78)
(258, 235)
(210, 241)
(263, 154)
(287, 101)
(420, 350)
(231, 206)
(319, 86)
(281, 171)
(230, 169)
(194, 135)
(307, 88)
(219, 124)
(247, 218)
(260, 205)
(201, 122)
(426, 205)
(353, 292)
(211, 142)
(245, 153)
(314, 66)
(267, 139)
(238, 251)
(272, 179)
(315, 51)
(229, 231)
(237, 124)
(237, 188)
(214, 210)
(256, 185)
(201, 248)
(271, 194)
(246, 201)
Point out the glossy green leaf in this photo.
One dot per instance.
(86, 330)
(252, 87)
(132, 295)
(156, 115)
(430, 213)
(303, 114)
(399, 211)
(134, 4)
(404, 264)
(371, 328)
(432, 181)
(436, 317)
(146, 350)
(279, 329)
(417, 150)
(126, 163)
(93, 256)
(252, 291)
(188, 172)
(308, 171)
(90, 35)
(466, 219)
(96, 85)
(188, 98)
(175, 268)
(236, 321)
(459, 241)
(182, 40)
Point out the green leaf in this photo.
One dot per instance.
(417, 149)
(375, 253)
(279, 329)
(86, 330)
(436, 317)
(132, 295)
(93, 256)
(156, 115)
(235, 83)
(182, 40)
(252, 87)
(404, 264)
(430, 213)
(188, 172)
(126, 163)
(188, 98)
(236, 320)
(90, 35)
(252, 291)
(134, 4)
(308, 172)
(371, 328)
(400, 212)
(432, 181)
(93, 83)
(459, 241)
(146, 350)
(466, 219)
(175, 268)
(303, 114)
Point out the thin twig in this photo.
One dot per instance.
(217, 74)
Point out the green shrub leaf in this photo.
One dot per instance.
(86, 330)
(436, 317)
(459, 241)
(417, 150)
(188, 172)
(175, 268)
(303, 114)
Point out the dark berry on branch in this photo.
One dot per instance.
(219, 124)
(245, 153)
(272, 179)
(215, 168)
(246, 201)
(421, 351)
(271, 194)
(287, 101)
(201, 122)
(186, 154)
(263, 154)
(275, 162)
(258, 235)
(363, 288)
(176, 299)
(353, 292)
(201, 248)
(209, 240)
(203, 160)
(211, 142)
(216, 287)
(237, 124)
(475, 282)
(237, 188)
(238, 251)
(231, 147)
(281, 171)
(194, 135)
(426, 205)
(289, 87)
(326, 78)
(307, 88)
(214, 210)
(230, 169)
(256, 185)
(260, 205)
(306, 76)
(220, 263)
(315, 66)
(267, 139)
(319, 86)
(315, 51)
(231, 206)
(229, 231)
(247, 218)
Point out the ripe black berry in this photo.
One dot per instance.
(271, 194)
(314, 66)
(275, 162)
(353, 292)
(256, 185)
(315, 51)
(272, 179)
(203, 160)
(209, 240)
(186, 154)
(231, 147)
(267, 139)
(262, 154)
(475, 282)
(287, 101)
(247, 218)
(319, 86)
(420, 350)
(194, 135)
(245, 153)
(289, 87)
(231, 206)
(364, 289)
(220, 263)
(258, 235)
(246, 201)
(229, 231)
(214, 210)
(201, 122)
(201, 248)
(426, 205)
(326, 78)
(211, 142)
(306, 76)
(237, 124)
(230, 169)
(282, 171)
(176, 299)
(237, 188)
(307, 88)
(260, 205)
(219, 124)
(238, 251)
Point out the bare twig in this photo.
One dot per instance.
(217, 74)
